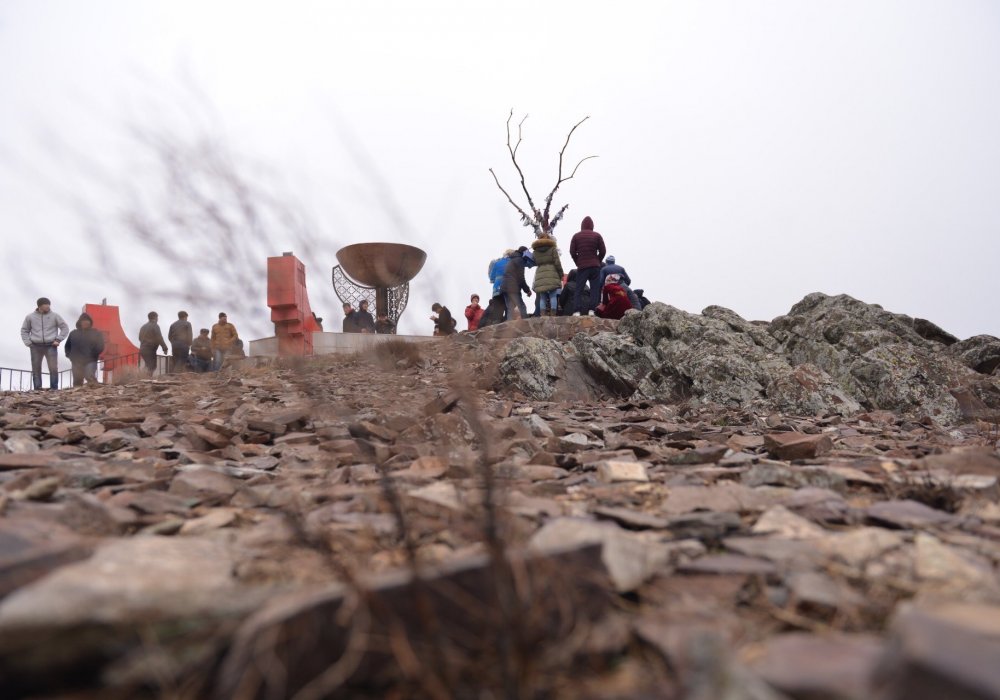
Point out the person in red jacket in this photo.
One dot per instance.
(614, 299)
(587, 250)
(474, 313)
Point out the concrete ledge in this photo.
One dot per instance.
(333, 343)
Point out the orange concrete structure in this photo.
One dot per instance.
(293, 319)
(119, 351)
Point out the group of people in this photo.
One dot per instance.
(203, 353)
(43, 331)
(596, 285)
(360, 320)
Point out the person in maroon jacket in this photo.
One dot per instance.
(587, 250)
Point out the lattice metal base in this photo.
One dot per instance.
(350, 292)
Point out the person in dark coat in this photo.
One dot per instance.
(587, 250)
(514, 283)
(363, 320)
(83, 348)
(181, 335)
(612, 268)
(150, 338)
(444, 322)
(568, 292)
(350, 320)
(643, 301)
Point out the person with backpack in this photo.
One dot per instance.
(514, 283)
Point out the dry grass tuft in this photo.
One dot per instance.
(396, 354)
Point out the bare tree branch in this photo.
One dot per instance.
(513, 157)
(561, 179)
(524, 217)
(538, 220)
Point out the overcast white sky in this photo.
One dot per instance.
(750, 152)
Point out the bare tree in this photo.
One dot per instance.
(540, 220)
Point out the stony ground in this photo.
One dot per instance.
(404, 526)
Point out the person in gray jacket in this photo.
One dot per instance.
(42, 331)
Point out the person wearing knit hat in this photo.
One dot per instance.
(41, 332)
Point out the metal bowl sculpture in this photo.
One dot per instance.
(379, 273)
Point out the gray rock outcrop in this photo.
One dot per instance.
(828, 354)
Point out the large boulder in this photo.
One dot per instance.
(884, 360)
(980, 352)
(719, 356)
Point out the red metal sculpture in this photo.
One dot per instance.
(294, 322)
(118, 349)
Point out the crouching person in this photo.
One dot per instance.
(83, 348)
(201, 352)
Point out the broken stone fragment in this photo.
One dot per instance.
(943, 651)
(613, 471)
(797, 445)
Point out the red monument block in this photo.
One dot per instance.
(294, 322)
(118, 349)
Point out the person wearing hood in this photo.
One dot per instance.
(83, 348)
(548, 276)
(587, 250)
(42, 331)
(614, 300)
(514, 283)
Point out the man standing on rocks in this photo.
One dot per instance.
(224, 337)
(83, 348)
(42, 331)
(151, 338)
(587, 250)
(180, 335)
(514, 283)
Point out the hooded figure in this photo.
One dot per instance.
(614, 300)
(548, 276)
(587, 250)
(83, 348)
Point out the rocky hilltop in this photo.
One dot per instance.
(828, 354)
(676, 505)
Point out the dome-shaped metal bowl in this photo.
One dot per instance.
(381, 264)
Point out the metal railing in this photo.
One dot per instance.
(12, 379)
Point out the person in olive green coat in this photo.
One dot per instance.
(548, 275)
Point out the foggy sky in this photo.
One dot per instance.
(750, 152)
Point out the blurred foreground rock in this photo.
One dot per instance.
(674, 506)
